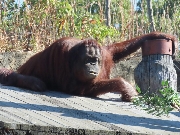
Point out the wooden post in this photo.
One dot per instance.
(156, 66)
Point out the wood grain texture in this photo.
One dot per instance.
(55, 112)
(154, 69)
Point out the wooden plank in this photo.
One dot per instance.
(22, 109)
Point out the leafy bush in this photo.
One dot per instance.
(35, 24)
(92, 26)
(159, 104)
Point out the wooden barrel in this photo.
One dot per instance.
(156, 66)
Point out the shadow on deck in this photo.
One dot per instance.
(52, 112)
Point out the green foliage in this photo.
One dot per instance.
(165, 14)
(159, 104)
(48, 20)
(93, 26)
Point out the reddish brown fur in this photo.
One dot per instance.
(51, 67)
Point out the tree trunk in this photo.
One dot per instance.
(108, 13)
(150, 15)
(154, 69)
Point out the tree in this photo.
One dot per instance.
(150, 15)
(108, 12)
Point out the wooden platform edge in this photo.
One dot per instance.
(25, 129)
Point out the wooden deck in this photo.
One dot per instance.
(54, 112)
